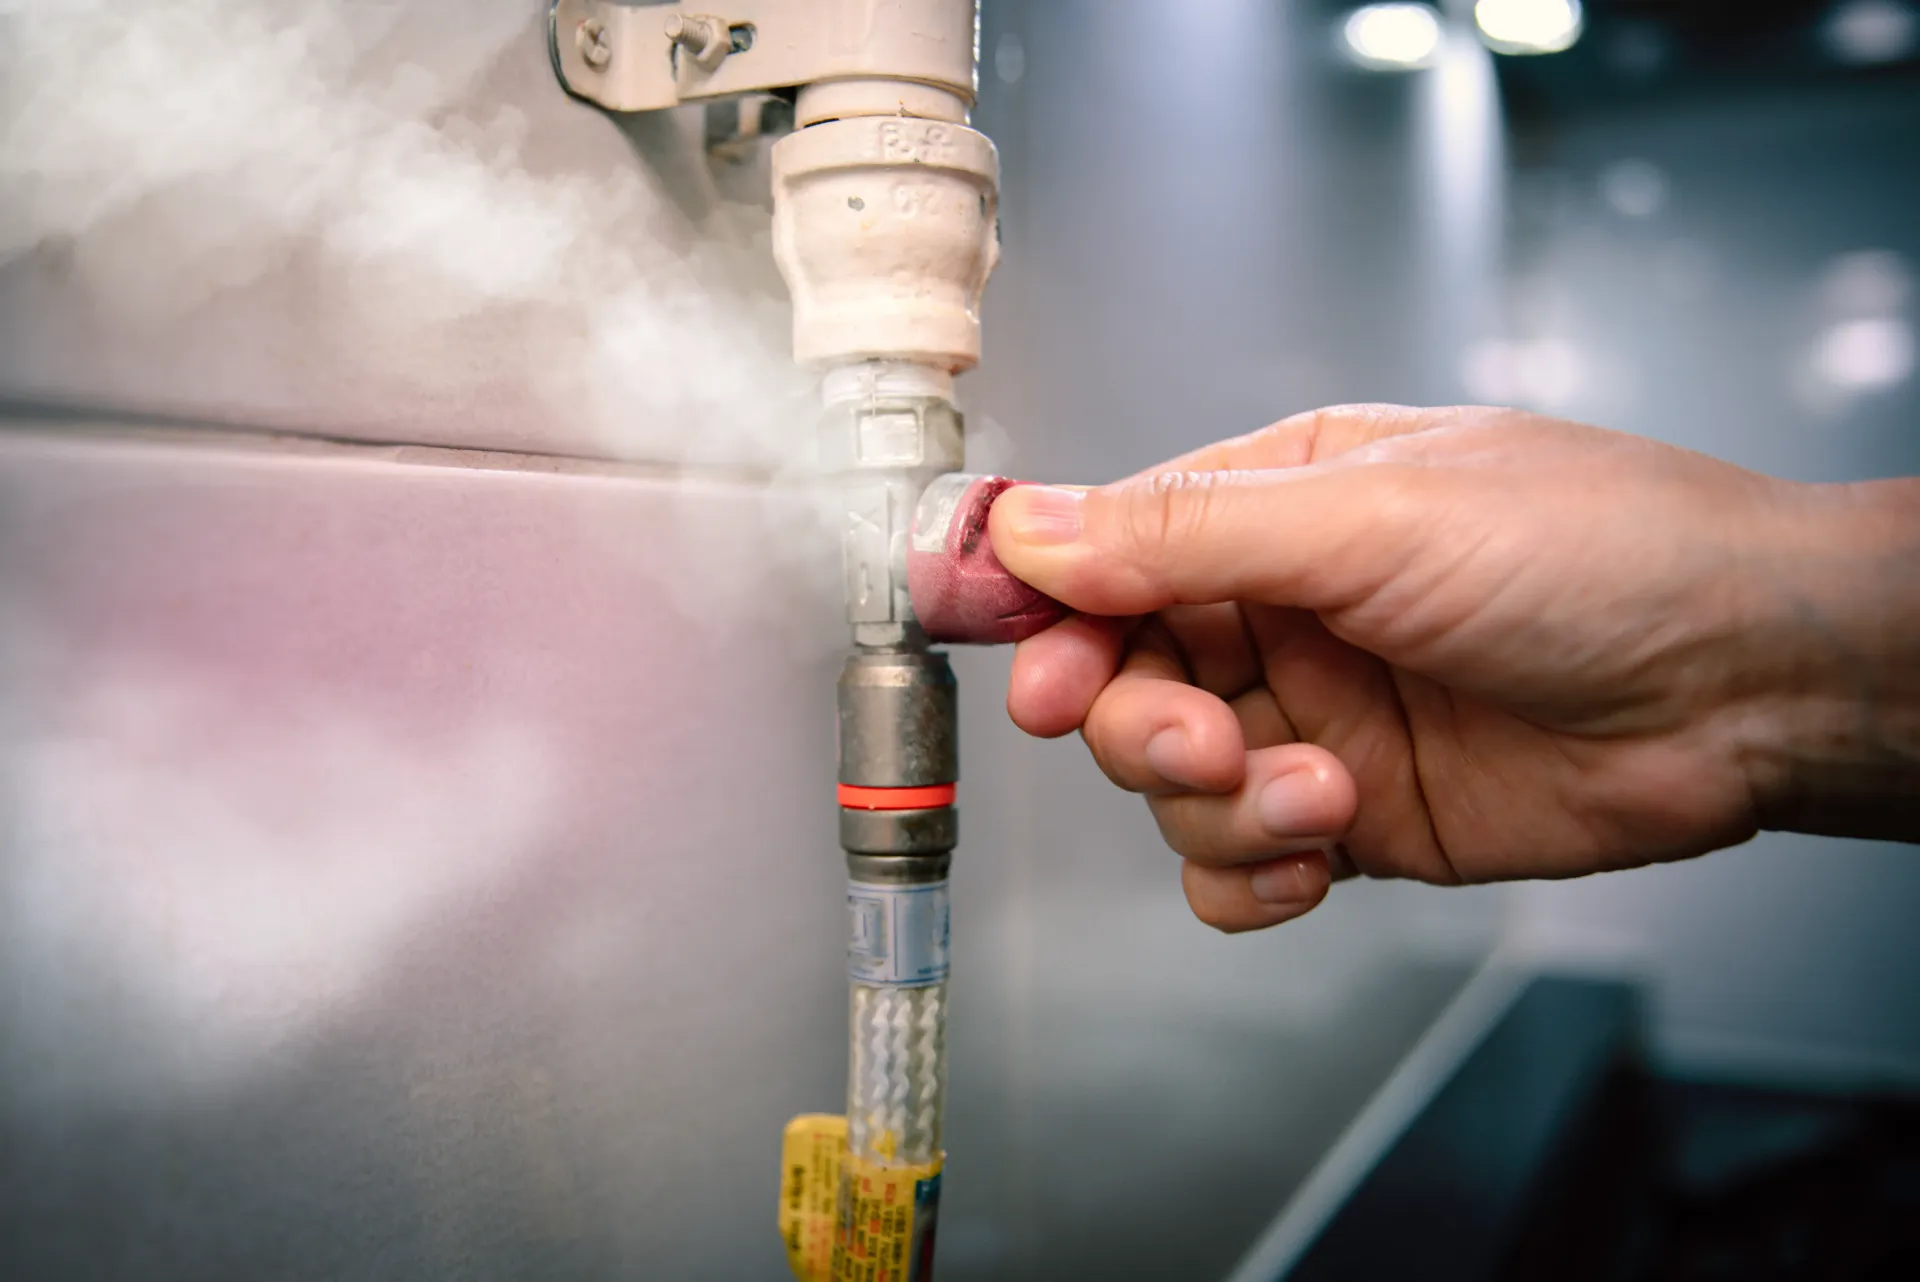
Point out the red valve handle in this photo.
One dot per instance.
(961, 593)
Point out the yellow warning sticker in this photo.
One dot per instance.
(853, 1221)
(811, 1155)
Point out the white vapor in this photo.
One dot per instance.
(351, 218)
(402, 187)
(216, 915)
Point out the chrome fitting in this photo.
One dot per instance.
(918, 870)
(898, 720)
(888, 430)
(899, 832)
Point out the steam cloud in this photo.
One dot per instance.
(339, 216)
(399, 186)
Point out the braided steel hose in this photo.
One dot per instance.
(896, 1091)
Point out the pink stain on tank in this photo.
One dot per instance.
(961, 593)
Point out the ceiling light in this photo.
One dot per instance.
(1528, 26)
(1866, 355)
(1872, 31)
(1543, 373)
(1392, 37)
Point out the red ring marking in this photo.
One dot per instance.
(854, 797)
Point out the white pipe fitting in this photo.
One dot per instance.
(839, 99)
(885, 230)
(872, 381)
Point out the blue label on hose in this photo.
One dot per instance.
(897, 935)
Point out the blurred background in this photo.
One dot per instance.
(417, 638)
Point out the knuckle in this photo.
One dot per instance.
(1373, 413)
(1100, 732)
(1163, 511)
(1192, 826)
(1173, 815)
(1342, 429)
(1403, 503)
(1315, 434)
(1109, 766)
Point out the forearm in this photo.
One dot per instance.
(1841, 750)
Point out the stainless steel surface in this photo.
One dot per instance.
(386, 889)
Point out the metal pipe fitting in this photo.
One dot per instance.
(898, 715)
(887, 431)
(898, 833)
(892, 871)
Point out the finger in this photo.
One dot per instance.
(1340, 863)
(1262, 722)
(1312, 437)
(1323, 536)
(1295, 797)
(1216, 645)
(1153, 732)
(1288, 514)
(1252, 898)
(1348, 702)
(1058, 673)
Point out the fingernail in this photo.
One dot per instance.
(1281, 883)
(1044, 514)
(1171, 756)
(1286, 806)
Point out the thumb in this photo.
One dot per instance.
(1287, 536)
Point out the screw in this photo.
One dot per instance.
(705, 37)
(595, 48)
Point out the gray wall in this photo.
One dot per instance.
(1698, 300)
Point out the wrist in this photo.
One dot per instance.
(1837, 745)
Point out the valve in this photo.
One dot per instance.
(960, 591)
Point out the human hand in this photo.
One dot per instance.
(1457, 645)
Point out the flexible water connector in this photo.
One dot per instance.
(899, 761)
(914, 544)
(897, 1033)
